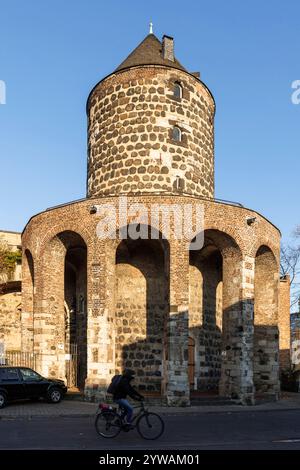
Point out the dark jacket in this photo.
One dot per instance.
(124, 388)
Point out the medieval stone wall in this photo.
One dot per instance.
(131, 147)
(10, 321)
(108, 335)
(10, 297)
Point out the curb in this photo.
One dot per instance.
(67, 415)
(250, 410)
(162, 412)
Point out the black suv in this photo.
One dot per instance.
(17, 383)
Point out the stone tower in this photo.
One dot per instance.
(186, 320)
(151, 127)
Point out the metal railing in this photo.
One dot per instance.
(32, 360)
(18, 359)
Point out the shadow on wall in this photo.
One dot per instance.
(266, 360)
(219, 344)
(285, 359)
(205, 319)
(142, 307)
(243, 365)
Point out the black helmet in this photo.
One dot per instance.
(129, 373)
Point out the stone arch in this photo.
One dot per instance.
(266, 287)
(155, 231)
(54, 231)
(205, 315)
(63, 285)
(216, 311)
(265, 343)
(262, 242)
(226, 232)
(141, 309)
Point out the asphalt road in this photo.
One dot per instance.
(236, 430)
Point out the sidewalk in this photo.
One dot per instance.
(73, 409)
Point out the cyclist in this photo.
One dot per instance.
(123, 389)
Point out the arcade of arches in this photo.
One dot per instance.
(225, 340)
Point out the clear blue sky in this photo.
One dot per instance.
(53, 52)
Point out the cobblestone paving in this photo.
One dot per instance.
(75, 408)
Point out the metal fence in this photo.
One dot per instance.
(31, 360)
(19, 359)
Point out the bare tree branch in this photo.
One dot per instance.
(290, 264)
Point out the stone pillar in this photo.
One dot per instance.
(177, 389)
(27, 302)
(100, 332)
(284, 323)
(49, 325)
(238, 290)
(266, 334)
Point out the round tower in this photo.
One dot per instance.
(151, 127)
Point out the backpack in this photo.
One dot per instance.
(112, 388)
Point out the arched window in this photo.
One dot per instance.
(177, 90)
(176, 134)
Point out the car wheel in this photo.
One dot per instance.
(54, 395)
(3, 400)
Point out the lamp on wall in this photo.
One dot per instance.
(251, 220)
(93, 210)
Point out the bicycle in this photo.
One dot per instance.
(110, 422)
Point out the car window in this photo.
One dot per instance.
(30, 375)
(9, 374)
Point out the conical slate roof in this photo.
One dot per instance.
(148, 52)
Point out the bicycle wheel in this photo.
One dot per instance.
(108, 424)
(150, 426)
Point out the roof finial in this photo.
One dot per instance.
(151, 28)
